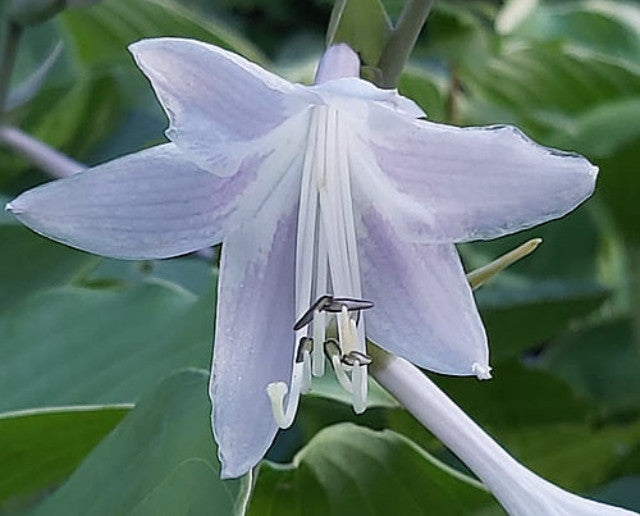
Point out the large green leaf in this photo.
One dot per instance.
(624, 492)
(604, 26)
(363, 24)
(347, 469)
(40, 448)
(426, 90)
(101, 34)
(85, 346)
(516, 398)
(577, 457)
(573, 248)
(601, 362)
(541, 87)
(29, 263)
(520, 318)
(609, 134)
(72, 117)
(161, 459)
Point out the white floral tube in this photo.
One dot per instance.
(520, 491)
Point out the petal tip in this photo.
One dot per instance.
(482, 372)
(13, 207)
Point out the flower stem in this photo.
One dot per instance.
(10, 43)
(50, 160)
(402, 40)
(520, 491)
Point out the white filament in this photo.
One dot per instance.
(326, 263)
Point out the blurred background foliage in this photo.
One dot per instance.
(103, 364)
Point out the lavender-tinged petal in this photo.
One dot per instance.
(151, 204)
(447, 184)
(254, 342)
(338, 61)
(217, 102)
(345, 90)
(424, 310)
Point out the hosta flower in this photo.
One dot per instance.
(338, 207)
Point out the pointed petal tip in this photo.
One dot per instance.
(482, 372)
(13, 207)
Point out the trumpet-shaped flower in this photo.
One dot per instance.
(338, 206)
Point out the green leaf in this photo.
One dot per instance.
(30, 86)
(363, 24)
(577, 457)
(520, 318)
(73, 118)
(542, 87)
(100, 34)
(601, 363)
(617, 155)
(624, 492)
(161, 459)
(29, 263)
(604, 26)
(573, 248)
(40, 448)
(426, 90)
(84, 346)
(517, 398)
(192, 273)
(347, 469)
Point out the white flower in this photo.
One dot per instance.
(327, 197)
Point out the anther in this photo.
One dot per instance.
(352, 304)
(304, 346)
(328, 303)
(332, 349)
(307, 317)
(354, 358)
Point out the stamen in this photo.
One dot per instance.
(319, 331)
(300, 382)
(334, 354)
(360, 388)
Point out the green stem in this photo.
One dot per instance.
(8, 59)
(402, 40)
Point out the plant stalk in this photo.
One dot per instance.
(402, 40)
(53, 162)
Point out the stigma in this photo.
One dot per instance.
(329, 321)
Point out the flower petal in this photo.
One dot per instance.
(151, 204)
(452, 185)
(254, 341)
(423, 306)
(215, 98)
